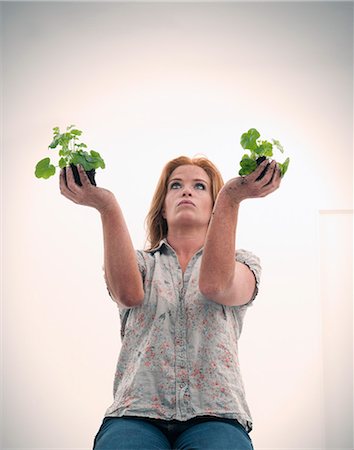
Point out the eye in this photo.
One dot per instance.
(175, 185)
(200, 186)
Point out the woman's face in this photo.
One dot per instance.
(188, 199)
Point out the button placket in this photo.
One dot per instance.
(180, 282)
(181, 348)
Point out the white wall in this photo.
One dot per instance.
(148, 82)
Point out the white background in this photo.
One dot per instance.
(147, 82)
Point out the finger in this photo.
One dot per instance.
(64, 190)
(83, 176)
(269, 174)
(274, 182)
(269, 189)
(62, 182)
(70, 181)
(277, 174)
(61, 177)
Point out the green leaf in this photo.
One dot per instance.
(97, 160)
(66, 137)
(78, 158)
(64, 141)
(44, 169)
(55, 142)
(258, 151)
(284, 167)
(246, 159)
(89, 159)
(62, 163)
(265, 149)
(76, 132)
(248, 140)
(248, 165)
(278, 145)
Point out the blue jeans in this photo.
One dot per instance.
(199, 433)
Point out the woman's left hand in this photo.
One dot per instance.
(240, 188)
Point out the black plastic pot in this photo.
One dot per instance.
(90, 173)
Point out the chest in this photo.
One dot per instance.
(183, 264)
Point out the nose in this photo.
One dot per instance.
(187, 191)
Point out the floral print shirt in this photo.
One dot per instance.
(179, 354)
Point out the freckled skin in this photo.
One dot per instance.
(190, 183)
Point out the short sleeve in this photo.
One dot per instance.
(252, 262)
(141, 263)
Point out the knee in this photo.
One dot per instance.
(215, 435)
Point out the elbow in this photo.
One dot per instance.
(133, 302)
(215, 289)
(209, 290)
(134, 299)
(215, 283)
(130, 299)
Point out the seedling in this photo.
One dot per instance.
(259, 151)
(72, 153)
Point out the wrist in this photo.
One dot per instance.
(108, 208)
(230, 196)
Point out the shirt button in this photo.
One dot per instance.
(182, 385)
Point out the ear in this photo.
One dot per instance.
(163, 213)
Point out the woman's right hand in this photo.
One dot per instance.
(87, 194)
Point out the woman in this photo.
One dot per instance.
(181, 303)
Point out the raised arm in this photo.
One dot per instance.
(223, 279)
(122, 274)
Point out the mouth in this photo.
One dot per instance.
(186, 202)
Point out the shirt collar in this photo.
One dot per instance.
(164, 243)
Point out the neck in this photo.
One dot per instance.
(186, 242)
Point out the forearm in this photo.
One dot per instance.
(218, 261)
(121, 268)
